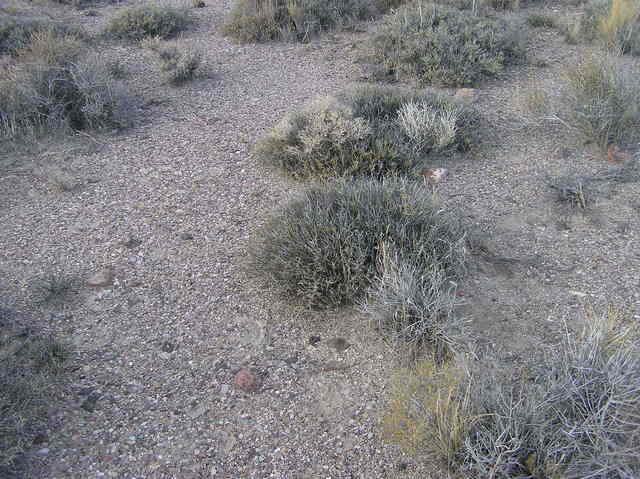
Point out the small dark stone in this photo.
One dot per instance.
(313, 340)
(186, 236)
(168, 347)
(132, 243)
(91, 403)
(403, 466)
(40, 438)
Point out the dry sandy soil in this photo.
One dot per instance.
(170, 207)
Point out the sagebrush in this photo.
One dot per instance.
(444, 46)
(324, 249)
(137, 23)
(265, 20)
(372, 131)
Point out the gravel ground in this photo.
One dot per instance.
(165, 212)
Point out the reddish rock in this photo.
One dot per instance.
(246, 381)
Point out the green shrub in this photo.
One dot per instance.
(368, 130)
(601, 102)
(265, 20)
(31, 361)
(149, 21)
(444, 46)
(325, 248)
(57, 85)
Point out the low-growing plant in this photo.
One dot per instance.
(540, 20)
(31, 361)
(369, 130)
(445, 46)
(149, 21)
(265, 20)
(614, 22)
(600, 103)
(56, 85)
(574, 416)
(324, 248)
(429, 410)
(16, 32)
(181, 66)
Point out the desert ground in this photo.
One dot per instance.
(150, 228)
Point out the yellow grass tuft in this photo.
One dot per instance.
(621, 14)
(429, 410)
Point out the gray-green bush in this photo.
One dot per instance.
(57, 85)
(325, 247)
(616, 23)
(265, 20)
(137, 23)
(445, 46)
(369, 130)
(16, 32)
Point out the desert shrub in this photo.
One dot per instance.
(600, 102)
(539, 20)
(324, 248)
(181, 66)
(31, 360)
(368, 130)
(149, 21)
(574, 416)
(614, 22)
(445, 46)
(265, 20)
(16, 32)
(412, 303)
(57, 85)
(579, 419)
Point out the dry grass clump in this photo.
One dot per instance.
(429, 410)
(31, 361)
(445, 46)
(577, 418)
(368, 130)
(265, 20)
(16, 32)
(137, 23)
(616, 23)
(326, 248)
(600, 102)
(56, 85)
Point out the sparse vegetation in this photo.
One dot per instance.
(326, 248)
(55, 85)
(16, 32)
(616, 23)
(539, 20)
(369, 130)
(137, 23)
(265, 20)
(31, 360)
(576, 419)
(445, 46)
(600, 102)
(181, 66)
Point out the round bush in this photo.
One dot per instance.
(446, 46)
(149, 21)
(368, 131)
(326, 247)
